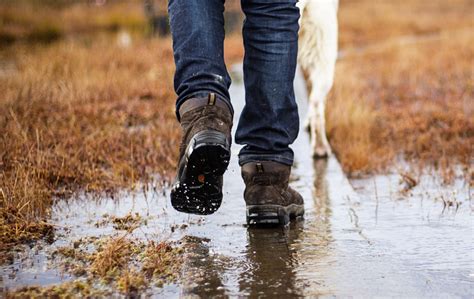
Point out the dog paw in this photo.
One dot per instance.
(307, 126)
(321, 152)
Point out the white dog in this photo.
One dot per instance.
(317, 57)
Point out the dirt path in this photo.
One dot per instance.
(357, 238)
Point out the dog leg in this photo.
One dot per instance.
(319, 141)
(309, 116)
(317, 56)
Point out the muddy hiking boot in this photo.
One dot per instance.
(269, 199)
(204, 155)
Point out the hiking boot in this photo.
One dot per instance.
(269, 199)
(204, 155)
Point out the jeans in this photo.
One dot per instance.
(269, 122)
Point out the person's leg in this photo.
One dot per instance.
(269, 122)
(203, 105)
(197, 28)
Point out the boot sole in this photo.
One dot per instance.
(197, 189)
(273, 215)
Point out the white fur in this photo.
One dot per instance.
(317, 57)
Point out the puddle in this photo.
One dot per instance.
(358, 238)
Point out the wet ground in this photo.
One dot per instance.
(359, 238)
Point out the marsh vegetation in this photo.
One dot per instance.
(87, 107)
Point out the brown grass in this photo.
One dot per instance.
(112, 257)
(364, 22)
(72, 289)
(29, 20)
(16, 228)
(407, 99)
(131, 283)
(94, 117)
(161, 261)
(117, 265)
(49, 20)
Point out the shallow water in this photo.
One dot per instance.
(359, 238)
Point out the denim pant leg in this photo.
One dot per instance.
(197, 28)
(269, 122)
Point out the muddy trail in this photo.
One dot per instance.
(359, 238)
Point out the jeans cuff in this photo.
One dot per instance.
(202, 94)
(247, 158)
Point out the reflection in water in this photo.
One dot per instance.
(314, 247)
(273, 261)
(201, 269)
(276, 255)
(322, 205)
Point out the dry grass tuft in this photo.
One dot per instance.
(131, 283)
(116, 265)
(162, 262)
(111, 258)
(16, 227)
(129, 222)
(72, 289)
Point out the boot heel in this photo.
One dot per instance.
(206, 159)
(208, 153)
(267, 215)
